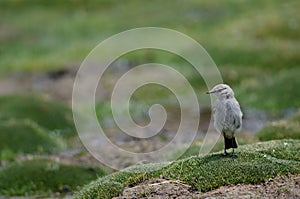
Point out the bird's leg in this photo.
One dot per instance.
(232, 154)
(225, 153)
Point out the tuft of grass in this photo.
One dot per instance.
(43, 177)
(285, 129)
(279, 130)
(255, 163)
(49, 114)
(25, 136)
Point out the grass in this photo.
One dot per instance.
(255, 163)
(34, 125)
(25, 136)
(285, 129)
(73, 30)
(44, 177)
(51, 115)
(279, 130)
(194, 148)
(274, 92)
(247, 45)
(251, 48)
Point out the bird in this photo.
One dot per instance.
(227, 115)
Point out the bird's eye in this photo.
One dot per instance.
(221, 89)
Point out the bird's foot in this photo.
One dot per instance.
(233, 155)
(225, 153)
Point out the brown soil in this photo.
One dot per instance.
(279, 187)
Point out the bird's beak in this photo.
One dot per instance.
(210, 92)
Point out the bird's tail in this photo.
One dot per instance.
(230, 143)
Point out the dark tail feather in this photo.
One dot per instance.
(230, 143)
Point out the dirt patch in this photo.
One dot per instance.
(279, 187)
(158, 188)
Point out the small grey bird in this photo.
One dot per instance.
(227, 115)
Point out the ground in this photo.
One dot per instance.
(158, 188)
(283, 186)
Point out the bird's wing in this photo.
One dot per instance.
(233, 116)
(218, 115)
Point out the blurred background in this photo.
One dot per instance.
(255, 45)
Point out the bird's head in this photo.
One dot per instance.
(222, 91)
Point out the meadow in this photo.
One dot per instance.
(255, 45)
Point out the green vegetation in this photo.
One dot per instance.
(285, 129)
(33, 125)
(195, 147)
(104, 189)
(249, 47)
(275, 91)
(25, 136)
(255, 44)
(255, 163)
(73, 29)
(280, 149)
(279, 130)
(41, 176)
(48, 114)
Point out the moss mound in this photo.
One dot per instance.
(41, 176)
(25, 136)
(279, 130)
(255, 163)
(289, 129)
(103, 189)
(48, 114)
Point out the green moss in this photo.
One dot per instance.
(194, 148)
(104, 190)
(49, 114)
(41, 176)
(255, 163)
(279, 130)
(127, 177)
(25, 136)
(213, 171)
(285, 129)
(279, 149)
